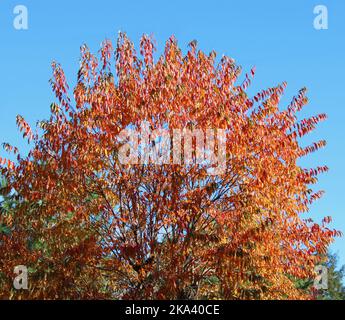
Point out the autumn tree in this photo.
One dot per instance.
(90, 226)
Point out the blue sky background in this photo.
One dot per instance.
(277, 37)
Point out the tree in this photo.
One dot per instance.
(90, 226)
(7, 204)
(336, 289)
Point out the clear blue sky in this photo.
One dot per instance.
(277, 37)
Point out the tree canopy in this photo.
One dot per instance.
(88, 226)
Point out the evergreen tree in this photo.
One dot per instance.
(336, 288)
